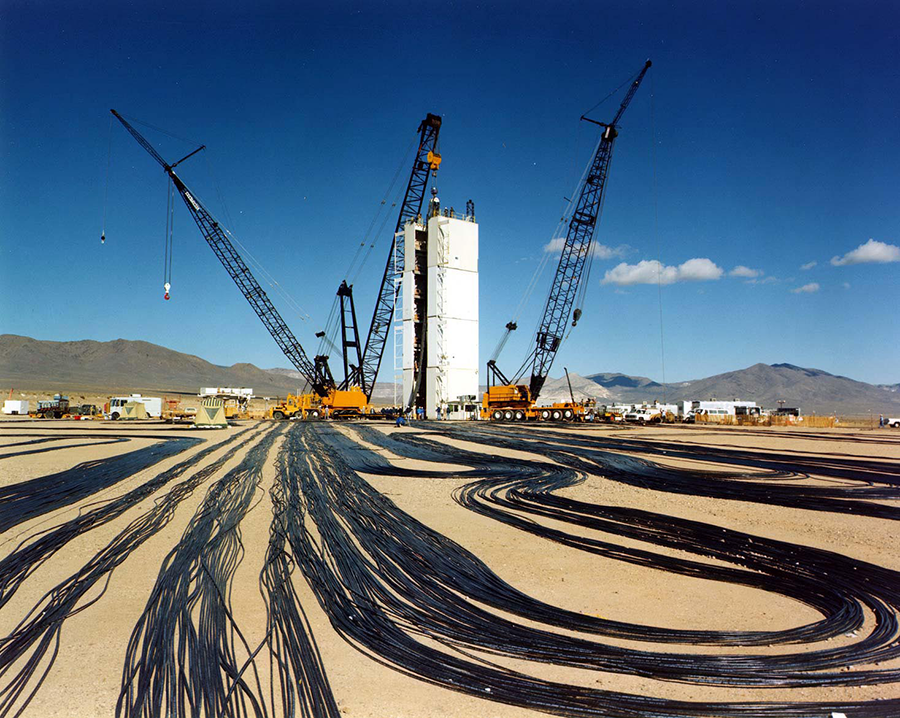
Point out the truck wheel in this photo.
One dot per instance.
(557, 415)
(568, 414)
(520, 416)
(497, 415)
(545, 415)
(314, 413)
(278, 415)
(896, 425)
(508, 415)
(114, 416)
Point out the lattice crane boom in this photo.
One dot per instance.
(218, 241)
(426, 162)
(576, 250)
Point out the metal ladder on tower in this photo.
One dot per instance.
(398, 250)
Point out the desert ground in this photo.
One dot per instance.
(447, 569)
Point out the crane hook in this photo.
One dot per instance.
(168, 287)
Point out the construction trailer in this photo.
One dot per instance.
(714, 408)
(15, 407)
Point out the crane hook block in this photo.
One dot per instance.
(434, 159)
(576, 315)
(103, 238)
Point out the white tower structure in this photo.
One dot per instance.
(440, 311)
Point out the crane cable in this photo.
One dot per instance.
(106, 190)
(295, 306)
(662, 344)
(328, 339)
(170, 236)
(548, 252)
(368, 237)
(558, 233)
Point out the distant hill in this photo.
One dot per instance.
(615, 381)
(557, 390)
(811, 390)
(122, 366)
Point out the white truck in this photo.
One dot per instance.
(644, 415)
(113, 409)
(893, 422)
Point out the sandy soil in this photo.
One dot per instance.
(558, 575)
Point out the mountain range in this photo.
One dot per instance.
(123, 365)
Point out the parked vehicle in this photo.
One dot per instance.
(644, 416)
(53, 409)
(114, 407)
(893, 422)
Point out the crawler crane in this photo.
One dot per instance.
(325, 393)
(327, 398)
(507, 400)
(361, 364)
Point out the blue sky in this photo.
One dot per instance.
(764, 140)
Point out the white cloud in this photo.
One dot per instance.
(808, 265)
(651, 271)
(599, 251)
(846, 285)
(806, 288)
(762, 280)
(871, 251)
(742, 271)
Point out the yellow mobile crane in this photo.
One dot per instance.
(507, 400)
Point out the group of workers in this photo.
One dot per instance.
(440, 411)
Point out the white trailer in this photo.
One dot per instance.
(15, 406)
(152, 404)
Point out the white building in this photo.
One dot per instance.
(440, 311)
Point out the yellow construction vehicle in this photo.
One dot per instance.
(514, 402)
(337, 404)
